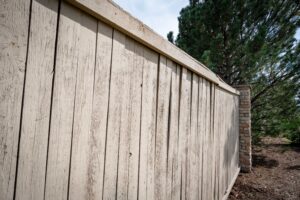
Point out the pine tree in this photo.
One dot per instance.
(249, 42)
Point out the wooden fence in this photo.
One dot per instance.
(94, 105)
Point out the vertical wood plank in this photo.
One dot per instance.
(223, 148)
(135, 123)
(163, 105)
(124, 141)
(209, 142)
(176, 181)
(217, 142)
(81, 177)
(129, 136)
(14, 22)
(173, 174)
(212, 139)
(118, 115)
(184, 126)
(200, 134)
(226, 141)
(206, 160)
(37, 100)
(97, 134)
(193, 155)
(67, 53)
(237, 131)
(148, 120)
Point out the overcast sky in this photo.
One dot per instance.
(160, 15)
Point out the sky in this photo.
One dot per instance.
(159, 15)
(297, 36)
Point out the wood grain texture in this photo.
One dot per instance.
(161, 140)
(127, 182)
(105, 117)
(222, 147)
(112, 14)
(217, 143)
(14, 22)
(193, 154)
(117, 94)
(200, 133)
(212, 141)
(37, 100)
(184, 127)
(173, 172)
(148, 122)
(82, 178)
(97, 133)
(125, 102)
(67, 54)
(206, 144)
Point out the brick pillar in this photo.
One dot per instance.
(245, 127)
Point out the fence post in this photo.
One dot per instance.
(245, 127)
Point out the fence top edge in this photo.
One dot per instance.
(112, 14)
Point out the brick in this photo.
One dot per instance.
(245, 127)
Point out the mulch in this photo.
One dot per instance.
(275, 174)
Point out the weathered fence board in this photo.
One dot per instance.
(14, 22)
(96, 143)
(193, 154)
(37, 100)
(161, 139)
(114, 124)
(184, 126)
(62, 112)
(148, 124)
(81, 175)
(200, 134)
(105, 117)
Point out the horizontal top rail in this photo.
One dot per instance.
(114, 15)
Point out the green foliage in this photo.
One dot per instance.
(250, 42)
(170, 36)
(291, 129)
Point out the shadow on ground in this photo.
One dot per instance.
(275, 174)
(263, 161)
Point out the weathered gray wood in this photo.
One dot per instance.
(226, 141)
(118, 113)
(163, 105)
(125, 135)
(148, 121)
(97, 134)
(200, 133)
(68, 50)
(192, 156)
(205, 169)
(184, 126)
(14, 22)
(112, 14)
(237, 138)
(37, 99)
(217, 142)
(135, 113)
(173, 174)
(222, 147)
(129, 136)
(225, 196)
(138, 133)
(81, 174)
(212, 141)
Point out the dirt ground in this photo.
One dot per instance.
(275, 174)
